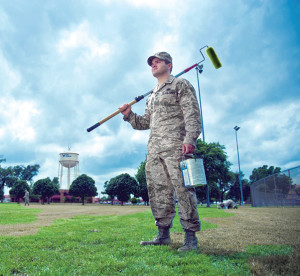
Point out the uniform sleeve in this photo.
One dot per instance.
(191, 113)
(137, 121)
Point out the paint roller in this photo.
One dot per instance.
(214, 60)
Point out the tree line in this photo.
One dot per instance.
(222, 182)
(20, 179)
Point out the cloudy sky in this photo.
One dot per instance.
(65, 65)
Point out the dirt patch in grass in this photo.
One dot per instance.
(50, 212)
(254, 226)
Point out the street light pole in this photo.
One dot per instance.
(236, 128)
(198, 72)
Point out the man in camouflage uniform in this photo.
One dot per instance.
(173, 117)
(26, 198)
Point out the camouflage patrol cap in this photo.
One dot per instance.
(161, 55)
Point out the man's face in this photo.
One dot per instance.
(160, 67)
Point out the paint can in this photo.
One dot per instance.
(193, 172)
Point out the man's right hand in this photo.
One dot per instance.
(125, 109)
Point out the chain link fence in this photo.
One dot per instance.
(281, 189)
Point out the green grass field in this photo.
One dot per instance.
(109, 245)
(15, 213)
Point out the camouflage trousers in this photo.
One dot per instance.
(164, 180)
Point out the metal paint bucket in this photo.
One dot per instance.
(193, 172)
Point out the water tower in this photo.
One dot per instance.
(68, 160)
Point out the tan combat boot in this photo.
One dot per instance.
(190, 241)
(163, 238)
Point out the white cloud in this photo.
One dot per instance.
(268, 136)
(140, 137)
(165, 41)
(19, 117)
(123, 141)
(156, 4)
(94, 146)
(10, 78)
(280, 121)
(50, 148)
(82, 38)
(169, 12)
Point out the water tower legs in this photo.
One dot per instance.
(65, 180)
(68, 186)
(61, 174)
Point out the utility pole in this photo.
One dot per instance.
(236, 128)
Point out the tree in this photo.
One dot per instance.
(7, 179)
(278, 183)
(216, 167)
(123, 186)
(214, 192)
(134, 200)
(56, 186)
(26, 173)
(296, 188)
(83, 186)
(246, 189)
(18, 189)
(56, 182)
(1, 188)
(262, 172)
(235, 189)
(110, 190)
(283, 184)
(10, 175)
(142, 183)
(1, 195)
(45, 188)
(224, 180)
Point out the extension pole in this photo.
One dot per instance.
(212, 56)
(137, 99)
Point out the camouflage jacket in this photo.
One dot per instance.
(172, 115)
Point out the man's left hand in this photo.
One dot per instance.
(188, 148)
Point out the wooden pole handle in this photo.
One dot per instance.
(109, 117)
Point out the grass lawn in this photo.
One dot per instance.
(109, 245)
(16, 213)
